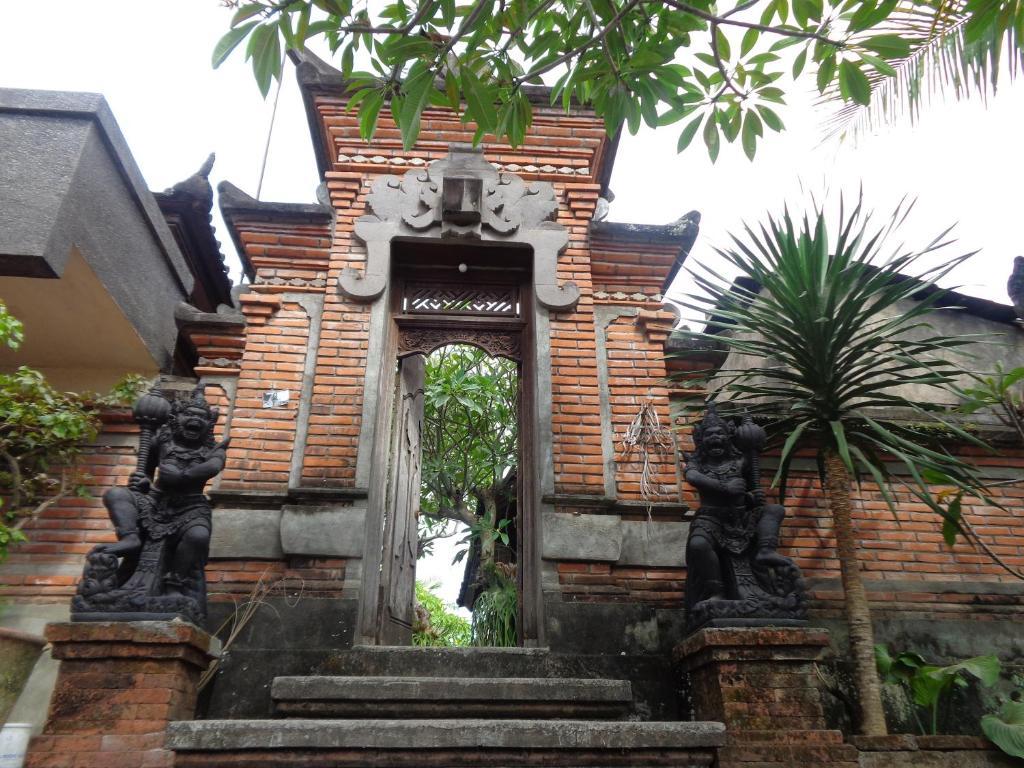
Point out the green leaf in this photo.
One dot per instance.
(879, 64)
(799, 62)
(688, 133)
(723, 44)
(1006, 730)
(368, 113)
(826, 72)
(229, 42)
(711, 139)
(853, 83)
(951, 521)
(245, 12)
(751, 131)
(416, 93)
(479, 101)
(889, 46)
(265, 48)
(749, 41)
(771, 119)
(883, 660)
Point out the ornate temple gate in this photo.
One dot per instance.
(456, 253)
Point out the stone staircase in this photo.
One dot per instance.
(431, 708)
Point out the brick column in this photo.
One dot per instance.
(118, 686)
(760, 682)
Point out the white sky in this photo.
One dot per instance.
(151, 59)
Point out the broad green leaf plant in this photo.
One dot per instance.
(703, 69)
(929, 685)
(1006, 729)
(829, 330)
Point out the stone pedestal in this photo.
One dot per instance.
(118, 686)
(760, 682)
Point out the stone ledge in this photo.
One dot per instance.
(142, 640)
(751, 644)
(227, 735)
(451, 688)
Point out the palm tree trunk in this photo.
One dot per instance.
(858, 613)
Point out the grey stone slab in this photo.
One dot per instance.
(452, 689)
(246, 533)
(582, 537)
(223, 735)
(328, 531)
(654, 542)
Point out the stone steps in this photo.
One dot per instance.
(442, 742)
(455, 697)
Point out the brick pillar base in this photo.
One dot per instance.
(118, 686)
(760, 682)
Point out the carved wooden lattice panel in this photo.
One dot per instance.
(436, 298)
(494, 342)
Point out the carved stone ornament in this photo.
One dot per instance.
(461, 196)
(154, 571)
(426, 340)
(735, 575)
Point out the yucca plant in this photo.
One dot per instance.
(837, 354)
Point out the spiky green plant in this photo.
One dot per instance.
(495, 611)
(836, 345)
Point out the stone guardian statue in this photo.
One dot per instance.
(162, 518)
(735, 576)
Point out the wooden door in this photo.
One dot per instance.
(398, 567)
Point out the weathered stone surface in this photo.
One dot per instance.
(654, 542)
(329, 531)
(455, 688)
(440, 697)
(142, 633)
(245, 533)
(582, 537)
(438, 734)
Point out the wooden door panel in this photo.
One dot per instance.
(398, 577)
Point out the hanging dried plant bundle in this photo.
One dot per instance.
(646, 437)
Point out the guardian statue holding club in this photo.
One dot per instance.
(162, 518)
(735, 575)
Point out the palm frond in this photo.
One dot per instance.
(956, 48)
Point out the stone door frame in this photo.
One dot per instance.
(506, 214)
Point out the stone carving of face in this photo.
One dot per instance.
(715, 442)
(192, 425)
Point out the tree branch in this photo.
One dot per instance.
(578, 49)
(15, 470)
(727, 80)
(724, 19)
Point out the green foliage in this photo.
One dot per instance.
(837, 350)
(929, 685)
(927, 50)
(470, 438)
(1000, 391)
(495, 611)
(1006, 729)
(653, 62)
(441, 627)
(12, 332)
(42, 432)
